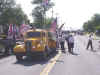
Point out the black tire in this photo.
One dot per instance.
(6, 52)
(19, 57)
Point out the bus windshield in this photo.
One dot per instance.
(33, 34)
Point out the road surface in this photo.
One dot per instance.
(86, 62)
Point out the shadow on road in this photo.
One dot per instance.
(92, 50)
(3, 56)
(60, 61)
(73, 53)
(29, 61)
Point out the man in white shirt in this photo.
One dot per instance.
(90, 42)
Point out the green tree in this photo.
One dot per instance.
(6, 4)
(11, 13)
(39, 13)
(93, 24)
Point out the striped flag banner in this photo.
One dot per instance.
(53, 25)
(10, 30)
(45, 2)
(14, 29)
(24, 28)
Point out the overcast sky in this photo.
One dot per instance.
(71, 12)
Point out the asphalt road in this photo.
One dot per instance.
(86, 62)
(10, 66)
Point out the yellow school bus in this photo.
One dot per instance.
(37, 41)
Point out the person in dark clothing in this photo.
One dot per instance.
(62, 43)
(66, 38)
(57, 40)
(70, 43)
(62, 46)
(90, 42)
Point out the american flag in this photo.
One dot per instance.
(10, 31)
(24, 28)
(45, 2)
(53, 25)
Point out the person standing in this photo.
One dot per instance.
(66, 38)
(62, 42)
(90, 42)
(57, 39)
(70, 43)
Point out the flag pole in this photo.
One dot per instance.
(52, 12)
(44, 17)
(44, 14)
